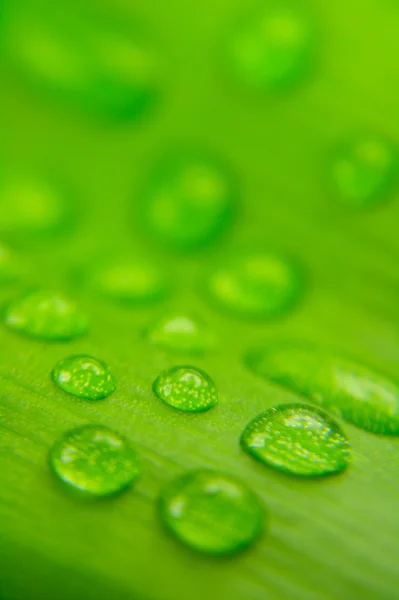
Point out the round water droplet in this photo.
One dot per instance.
(352, 391)
(212, 512)
(190, 200)
(84, 376)
(298, 440)
(181, 333)
(255, 284)
(187, 389)
(273, 49)
(132, 281)
(32, 207)
(363, 169)
(46, 315)
(95, 461)
(100, 65)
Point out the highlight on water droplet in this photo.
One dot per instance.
(32, 206)
(189, 200)
(363, 169)
(95, 461)
(212, 512)
(255, 284)
(181, 333)
(46, 315)
(350, 390)
(297, 439)
(84, 376)
(128, 280)
(104, 66)
(186, 388)
(272, 49)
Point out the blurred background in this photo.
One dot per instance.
(146, 145)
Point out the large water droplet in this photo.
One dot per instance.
(297, 439)
(352, 391)
(190, 200)
(100, 65)
(187, 389)
(31, 206)
(134, 281)
(271, 49)
(45, 315)
(181, 333)
(362, 170)
(84, 376)
(212, 512)
(255, 284)
(95, 461)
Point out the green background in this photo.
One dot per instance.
(328, 539)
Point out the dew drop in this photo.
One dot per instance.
(297, 439)
(95, 461)
(84, 376)
(45, 315)
(212, 512)
(101, 66)
(134, 281)
(352, 391)
(362, 170)
(273, 49)
(187, 389)
(31, 206)
(189, 201)
(181, 333)
(255, 284)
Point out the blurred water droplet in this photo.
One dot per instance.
(186, 388)
(255, 284)
(181, 333)
(298, 440)
(354, 392)
(84, 376)
(95, 461)
(212, 512)
(45, 315)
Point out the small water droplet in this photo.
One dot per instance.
(190, 200)
(104, 66)
(298, 440)
(362, 170)
(255, 284)
(212, 512)
(181, 333)
(134, 281)
(272, 49)
(45, 315)
(95, 461)
(84, 376)
(187, 389)
(354, 392)
(31, 206)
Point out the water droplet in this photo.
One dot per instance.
(212, 512)
(95, 461)
(45, 315)
(84, 376)
(133, 281)
(181, 333)
(362, 170)
(352, 391)
(298, 440)
(100, 65)
(255, 284)
(273, 49)
(187, 389)
(190, 200)
(31, 206)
